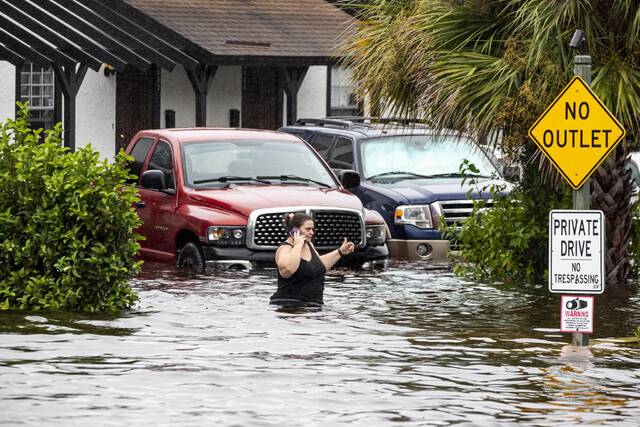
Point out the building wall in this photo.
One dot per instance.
(7, 90)
(96, 113)
(312, 97)
(177, 95)
(225, 93)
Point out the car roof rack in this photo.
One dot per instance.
(346, 124)
(370, 121)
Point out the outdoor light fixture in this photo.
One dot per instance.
(108, 70)
(579, 42)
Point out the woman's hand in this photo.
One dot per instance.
(347, 247)
(298, 239)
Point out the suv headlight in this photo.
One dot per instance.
(417, 215)
(376, 235)
(226, 236)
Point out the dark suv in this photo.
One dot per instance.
(408, 175)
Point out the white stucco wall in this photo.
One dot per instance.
(312, 96)
(224, 94)
(96, 113)
(177, 95)
(7, 90)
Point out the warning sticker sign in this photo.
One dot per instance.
(576, 314)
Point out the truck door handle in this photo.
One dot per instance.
(140, 205)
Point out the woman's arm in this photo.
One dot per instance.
(331, 258)
(288, 258)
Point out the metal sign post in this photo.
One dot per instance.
(582, 196)
(576, 133)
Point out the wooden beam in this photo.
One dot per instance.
(148, 37)
(201, 78)
(192, 49)
(12, 57)
(70, 80)
(85, 42)
(292, 78)
(117, 33)
(23, 49)
(35, 42)
(109, 42)
(35, 27)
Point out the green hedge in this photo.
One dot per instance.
(66, 224)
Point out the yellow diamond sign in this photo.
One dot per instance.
(576, 132)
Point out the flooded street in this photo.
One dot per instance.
(410, 345)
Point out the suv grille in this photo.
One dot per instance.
(331, 227)
(457, 211)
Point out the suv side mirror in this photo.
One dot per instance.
(350, 179)
(154, 179)
(511, 173)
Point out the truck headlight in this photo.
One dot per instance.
(417, 215)
(376, 235)
(226, 236)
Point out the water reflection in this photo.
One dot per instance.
(411, 344)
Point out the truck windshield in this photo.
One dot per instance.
(214, 163)
(421, 156)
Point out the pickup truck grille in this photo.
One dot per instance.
(331, 226)
(455, 212)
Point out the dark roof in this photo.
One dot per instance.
(251, 29)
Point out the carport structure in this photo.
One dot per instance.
(148, 35)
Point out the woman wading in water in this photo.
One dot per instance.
(301, 269)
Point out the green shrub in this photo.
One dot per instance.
(66, 224)
(509, 242)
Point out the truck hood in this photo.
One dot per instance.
(422, 191)
(244, 199)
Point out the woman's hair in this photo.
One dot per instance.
(292, 220)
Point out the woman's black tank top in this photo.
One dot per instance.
(306, 284)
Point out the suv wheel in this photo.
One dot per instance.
(190, 256)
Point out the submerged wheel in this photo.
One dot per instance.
(190, 256)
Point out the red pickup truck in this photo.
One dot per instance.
(219, 195)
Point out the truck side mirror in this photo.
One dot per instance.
(154, 179)
(350, 179)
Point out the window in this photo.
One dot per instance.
(162, 159)
(139, 153)
(342, 156)
(36, 87)
(342, 94)
(321, 143)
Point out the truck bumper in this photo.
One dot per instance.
(243, 258)
(436, 250)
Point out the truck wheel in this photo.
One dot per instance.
(190, 256)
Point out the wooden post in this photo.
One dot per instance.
(292, 78)
(70, 79)
(201, 78)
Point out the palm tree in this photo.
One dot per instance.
(484, 66)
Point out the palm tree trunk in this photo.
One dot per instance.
(611, 190)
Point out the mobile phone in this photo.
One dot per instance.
(293, 231)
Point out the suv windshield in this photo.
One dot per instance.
(421, 156)
(267, 162)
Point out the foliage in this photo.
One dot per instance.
(508, 242)
(66, 224)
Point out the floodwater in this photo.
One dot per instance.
(410, 345)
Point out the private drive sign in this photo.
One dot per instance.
(576, 132)
(576, 251)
